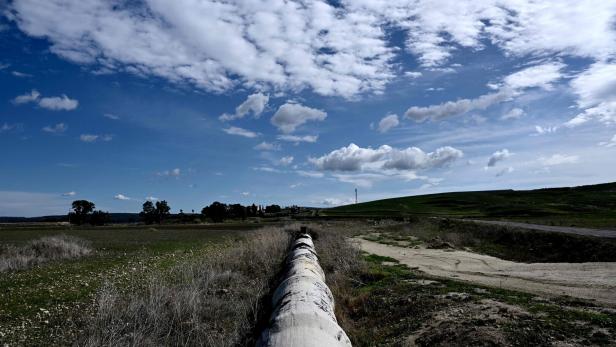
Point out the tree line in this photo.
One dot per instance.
(84, 212)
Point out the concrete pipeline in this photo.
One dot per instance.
(303, 305)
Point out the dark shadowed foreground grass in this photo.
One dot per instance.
(215, 300)
(41, 251)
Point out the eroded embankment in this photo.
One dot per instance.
(592, 281)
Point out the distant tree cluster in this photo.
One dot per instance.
(83, 212)
(218, 211)
(155, 213)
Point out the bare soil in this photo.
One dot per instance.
(590, 281)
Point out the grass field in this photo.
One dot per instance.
(584, 206)
(46, 305)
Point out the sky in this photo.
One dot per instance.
(299, 102)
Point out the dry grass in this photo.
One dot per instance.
(41, 251)
(219, 300)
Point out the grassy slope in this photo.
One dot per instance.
(593, 205)
(44, 305)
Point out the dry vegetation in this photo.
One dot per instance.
(217, 300)
(40, 251)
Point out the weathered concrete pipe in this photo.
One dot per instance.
(303, 304)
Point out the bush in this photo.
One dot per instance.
(41, 251)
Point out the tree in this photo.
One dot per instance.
(81, 208)
(272, 209)
(99, 218)
(162, 210)
(237, 211)
(216, 211)
(149, 212)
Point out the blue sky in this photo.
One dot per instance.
(299, 103)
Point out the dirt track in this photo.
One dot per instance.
(557, 229)
(595, 281)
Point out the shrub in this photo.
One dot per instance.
(41, 251)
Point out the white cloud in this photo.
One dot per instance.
(498, 156)
(311, 174)
(545, 130)
(291, 115)
(54, 103)
(240, 132)
(514, 113)
(596, 90)
(413, 74)
(254, 104)
(8, 127)
(20, 74)
(56, 129)
(458, 107)
(610, 143)
(267, 146)
(286, 45)
(111, 116)
(337, 201)
(58, 103)
(171, 173)
(388, 122)
(151, 198)
(538, 76)
(285, 161)
(94, 138)
(121, 197)
(298, 138)
(245, 193)
(88, 137)
(559, 159)
(71, 193)
(26, 98)
(354, 158)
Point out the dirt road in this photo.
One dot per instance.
(595, 281)
(558, 229)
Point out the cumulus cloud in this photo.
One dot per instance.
(54, 103)
(498, 156)
(514, 113)
(240, 132)
(254, 104)
(538, 76)
(413, 74)
(285, 161)
(559, 159)
(354, 158)
(71, 193)
(298, 138)
(286, 45)
(151, 198)
(27, 97)
(56, 129)
(388, 122)
(267, 146)
(291, 115)
(121, 197)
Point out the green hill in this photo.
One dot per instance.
(592, 205)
